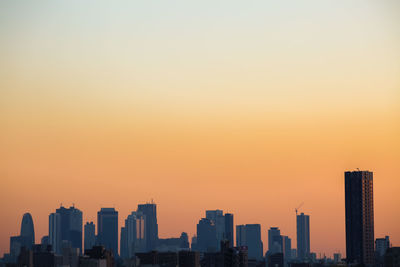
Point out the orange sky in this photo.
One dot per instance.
(200, 108)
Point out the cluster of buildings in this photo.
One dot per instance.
(213, 245)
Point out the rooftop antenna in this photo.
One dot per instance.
(296, 209)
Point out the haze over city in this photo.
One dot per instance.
(252, 108)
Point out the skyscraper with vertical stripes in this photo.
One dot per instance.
(359, 217)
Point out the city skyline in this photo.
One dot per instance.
(146, 213)
(250, 108)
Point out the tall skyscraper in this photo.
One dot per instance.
(206, 236)
(250, 235)
(133, 235)
(149, 210)
(107, 229)
(286, 249)
(90, 235)
(27, 231)
(359, 217)
(55, 232)
(223, 225)
(274, 240)
(229, 228)
(71, 226)
(303, 236)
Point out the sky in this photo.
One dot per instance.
(251, 107)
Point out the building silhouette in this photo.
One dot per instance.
(392, 257)
(27, 231)
(359, 217)
(189, 258)
(249, 236)
(97, 256)
(107, 229)
(71, 226)
(149, 211)
(133, 235)
(286, 249)
(303, 236)
(55, 232)
(26, 238)
(274, 240)
(229, 228)
(206, 236)
(90, 235)
(227, 256)
(275, 260)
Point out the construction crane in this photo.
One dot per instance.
(299, 207)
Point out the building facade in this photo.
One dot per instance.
(107, 229)
(303, 236)
(359, 217)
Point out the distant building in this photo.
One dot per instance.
(249, 235)
(337, 258)
(193, 244)
(107, 229)
(217, 217)
(55, 232)
(276, 260)
(274, 240)
(70, 256)
(149, 210)
(227, 256)
(90, 235)
(155, 258)
(40, 255)
(45, 240)
(293, 254)
(229, 228)
(173, 244)
(189, 258)
(26, 239)
(303, 236)
(381, 245)
(71, 226)
(133, 235)
(97, 256)
(27, 231)
(286, 249)
(359, 217)
(392, 257)
(206, 236)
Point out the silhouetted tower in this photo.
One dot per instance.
(55, 232)
(149, 210)
(229, 228)
(27, 231)
(303, 236)
(107, 229)
(71, 226)
(359, 217)
(90, 235)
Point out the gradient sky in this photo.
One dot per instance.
(251, 107)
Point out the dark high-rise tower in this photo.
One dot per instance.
(229, 228)
(71, 226)
(149, 210)
(303, 236)
(27, 231)
(359, 217)
(90, 236)
(107, 229)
